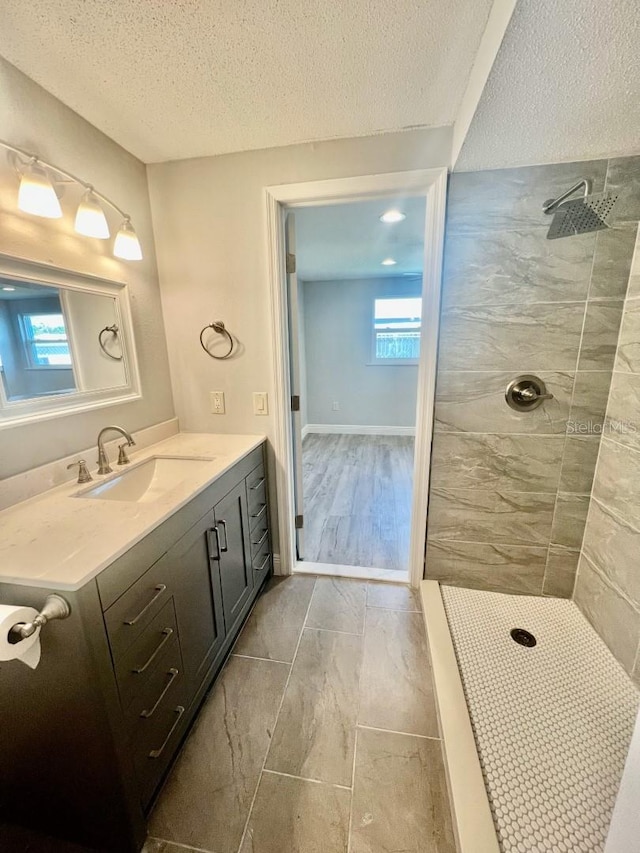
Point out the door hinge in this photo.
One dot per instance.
(291, 263)
(299, 522)
(295, 403)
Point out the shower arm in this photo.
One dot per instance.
(553, 204)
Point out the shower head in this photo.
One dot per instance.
(592, 212)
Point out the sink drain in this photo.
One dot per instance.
(524, 638)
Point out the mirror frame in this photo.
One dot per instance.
(53, 406)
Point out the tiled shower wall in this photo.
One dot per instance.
(509, 491)
(608, 584)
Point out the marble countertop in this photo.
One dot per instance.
(59, 541)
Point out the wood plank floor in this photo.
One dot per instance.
(357, 499)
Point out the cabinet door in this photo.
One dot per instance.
(236, 574)
(198, 598)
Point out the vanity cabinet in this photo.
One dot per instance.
(88, 736)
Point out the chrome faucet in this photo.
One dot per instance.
(103, 459)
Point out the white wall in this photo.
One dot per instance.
(338, 318)
(624, 832)
(35, 120)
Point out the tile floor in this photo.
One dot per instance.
(320, 735)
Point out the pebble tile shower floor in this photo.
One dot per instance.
(552, 722)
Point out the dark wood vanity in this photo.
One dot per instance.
(87, 738)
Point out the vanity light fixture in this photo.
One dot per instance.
(392, 216)
(8, 288)
(37, 195)
(388, 262)
(90, 218)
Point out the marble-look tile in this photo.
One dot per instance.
(518, 463)
(315, 733)
(617, 484)
(600, 335)
(391, 596)
(498, 568)
(613, 545)
(206, 799)
(633, 290)
(569, 520)
(478, 515)
(509, 199)
(396, 689)
(273, 629)
(610, 614)
(635, 673)
(515, 266)
(612, 263)
(623, 177)
(400, 800)
(628, 355)
(579, 464)
(156, 845)
(295, 816)
(474, 401)
(518, 338)
(623, 411)
(560, 574)
(589, 405)
(338, 604)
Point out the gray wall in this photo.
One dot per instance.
(608, 583)
(33, 119)
(338, 334)
(509, 491)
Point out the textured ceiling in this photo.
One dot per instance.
(348, 240)
(565, 86)
(170, 79)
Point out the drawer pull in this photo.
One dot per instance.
(216, 533)
(257, 485)
(261, 513)
(224, 548)
(264, 536)
(159, 589)
(156, 753)
(266, 560)
(167, 633)
(173, 673)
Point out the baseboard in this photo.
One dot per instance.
(350, 429)
(277, 566)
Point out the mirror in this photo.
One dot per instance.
(65, 342)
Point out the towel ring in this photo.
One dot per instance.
(114, 331)
(219, 327)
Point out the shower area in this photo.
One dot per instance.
(534, 510)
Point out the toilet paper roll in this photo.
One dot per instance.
(28, 651)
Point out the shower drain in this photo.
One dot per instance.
(523, 637)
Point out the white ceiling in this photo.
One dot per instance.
(342, 241)
(170, 79)
(565, 86)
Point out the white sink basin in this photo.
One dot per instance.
(147, 481)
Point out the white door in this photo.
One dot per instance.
(294, 350)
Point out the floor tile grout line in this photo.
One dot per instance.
(332, 631)
(307, 779)
(394, 732)
(394, 609)
(178, 844)
(254, 657)
(275, 724)
(355, 739)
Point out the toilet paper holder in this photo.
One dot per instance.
(55, 607)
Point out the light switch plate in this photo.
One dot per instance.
(260, 403)
(217, 402)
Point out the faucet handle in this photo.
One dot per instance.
(83, 472)
(123, 459)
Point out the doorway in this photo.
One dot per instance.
(395, 333)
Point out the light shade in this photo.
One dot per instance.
(392, 216)
(37, 195)
(90, 218)
(127, 245)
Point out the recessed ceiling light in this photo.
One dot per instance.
(393, 216)
(389, 262)
(8, 288)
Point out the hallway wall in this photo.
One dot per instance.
(509, 491)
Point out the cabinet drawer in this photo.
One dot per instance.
(136, 665)
(258, 515)
(256, 490)
(259, 538)
(261, 558)
(134, 611)
(168, 669)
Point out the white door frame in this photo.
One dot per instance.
(431, 183)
